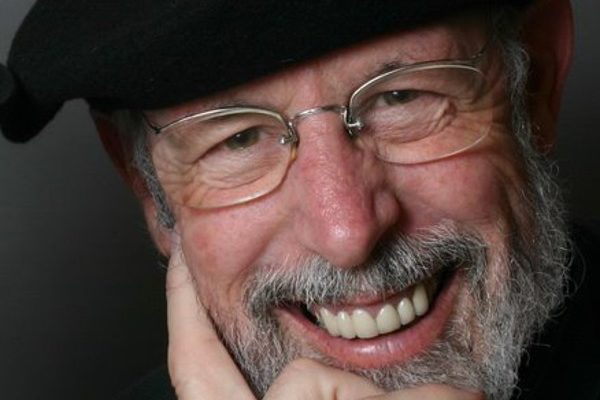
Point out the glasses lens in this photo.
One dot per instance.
(423, 114)
(223, 160)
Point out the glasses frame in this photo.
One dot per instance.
(352, 123)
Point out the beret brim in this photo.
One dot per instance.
(147, 54)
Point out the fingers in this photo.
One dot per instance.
(431, 392)
(308, 379)
(199, 365)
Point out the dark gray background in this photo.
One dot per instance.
(81, 299)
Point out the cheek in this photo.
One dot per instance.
(478, 189)
(222, 247)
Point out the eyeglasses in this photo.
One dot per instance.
(413, 114)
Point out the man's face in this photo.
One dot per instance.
(347, 232)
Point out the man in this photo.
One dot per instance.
(357, 212)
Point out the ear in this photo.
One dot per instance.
(120, 150)
(548, 36)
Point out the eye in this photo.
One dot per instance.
(395, 97)
(243, 139)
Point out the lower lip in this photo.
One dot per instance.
(393, 348)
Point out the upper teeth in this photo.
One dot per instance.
(390, 317)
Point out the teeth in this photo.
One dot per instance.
(420, 300)
(330, 322)
(345, 325)
(388, 319)
(364, 324)
(406, 311)
(360, 323)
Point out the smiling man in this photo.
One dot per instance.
(354, 198)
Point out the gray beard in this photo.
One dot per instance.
(484, 340)
(509, 293)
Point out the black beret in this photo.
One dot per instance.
(146, 54)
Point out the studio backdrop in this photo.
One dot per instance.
(81, 293)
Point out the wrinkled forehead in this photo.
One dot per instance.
(342, 71)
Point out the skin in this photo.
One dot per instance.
(349, 200)
(192, 338)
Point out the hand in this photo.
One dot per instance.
(201, 368)
(308, 379)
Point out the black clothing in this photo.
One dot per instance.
(562, 363)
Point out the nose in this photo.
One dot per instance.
(343, 204)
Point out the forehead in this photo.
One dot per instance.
(342, 71)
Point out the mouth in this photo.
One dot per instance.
(376, 330)
(374, 318)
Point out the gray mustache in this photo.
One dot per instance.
(395, 263)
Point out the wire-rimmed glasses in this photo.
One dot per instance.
(413, 114)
